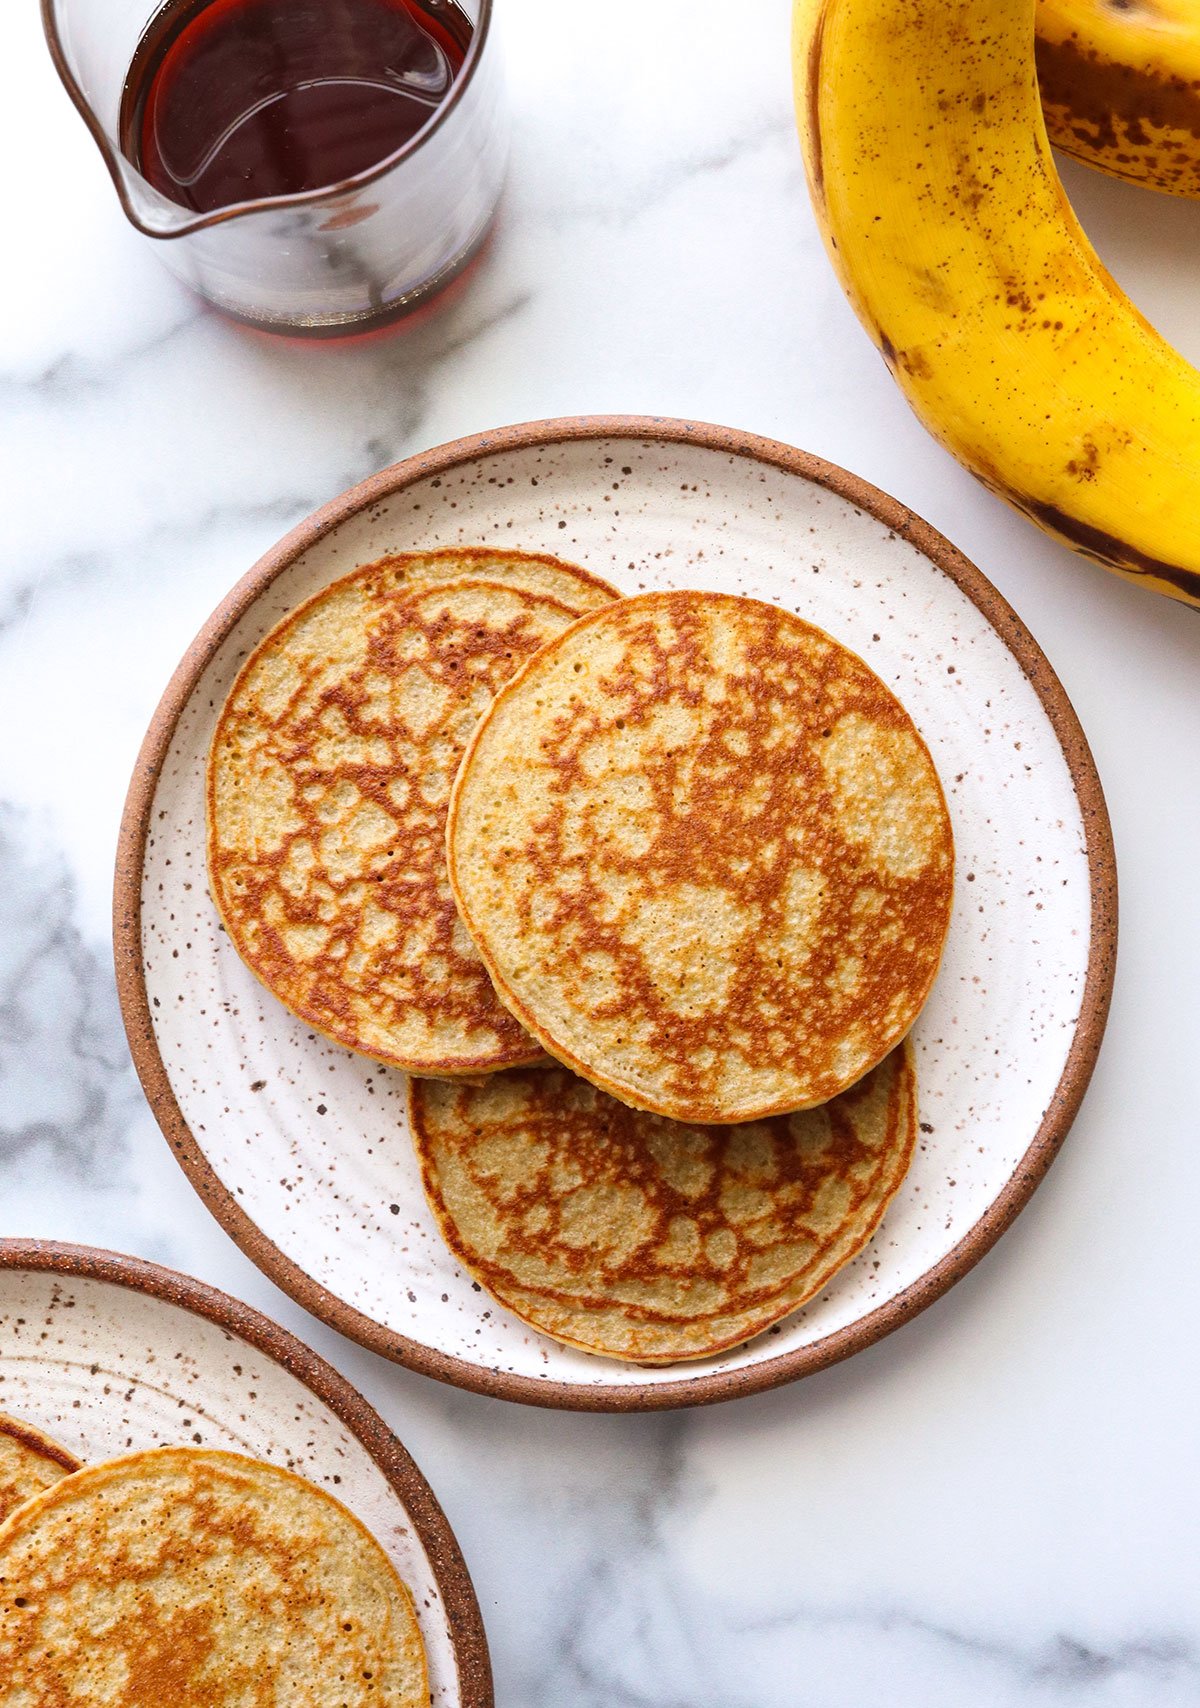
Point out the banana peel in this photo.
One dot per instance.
(934, 185)
(1120, 87)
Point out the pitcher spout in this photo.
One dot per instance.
(92, 68)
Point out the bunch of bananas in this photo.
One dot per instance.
(930, 169)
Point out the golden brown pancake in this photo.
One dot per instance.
(183, 1578)
(328, 779)
(29, 1463)
(534, 571)
(705, 856)
(640, 1238)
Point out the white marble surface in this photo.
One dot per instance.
(1000, 1504)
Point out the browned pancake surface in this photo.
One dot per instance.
(193, 1579)
(705, 855)
(329, 776)
(30, 1461)
(652, 1240)
(536, 572)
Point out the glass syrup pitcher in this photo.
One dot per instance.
(308, 166)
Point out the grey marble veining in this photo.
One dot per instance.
(67, 1088)
(997, 1506)
(70, 377)
(640, 197)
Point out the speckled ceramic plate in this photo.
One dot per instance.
(300, 1149)
(110, 1354)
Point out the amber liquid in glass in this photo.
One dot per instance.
(231, 101)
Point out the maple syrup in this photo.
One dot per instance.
(231, 101)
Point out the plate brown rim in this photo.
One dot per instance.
(705, 1387)
(467, 1635)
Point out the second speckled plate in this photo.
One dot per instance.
(300, 1148)
(109, 1355)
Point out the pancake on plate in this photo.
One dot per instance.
(705, 856)
(29, 1463)
(534, 571)
(328, 779)
(182, 1578)
(650, 1240)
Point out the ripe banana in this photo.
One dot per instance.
(1120, 84)
(933, 182)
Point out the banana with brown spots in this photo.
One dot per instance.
(1120, 83)
(933, 182)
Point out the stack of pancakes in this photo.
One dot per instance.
(192, 1578)
(471, 810)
